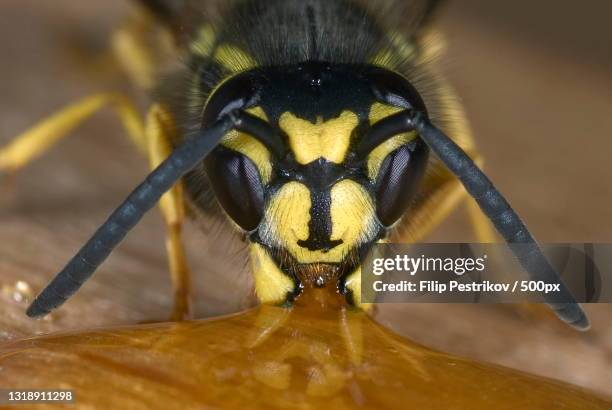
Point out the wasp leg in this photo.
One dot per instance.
(154, 141)
(160, 130)
(37, 140)
(427, 214)
(140, 45)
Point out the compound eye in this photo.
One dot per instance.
(237, 185)
(398, 180)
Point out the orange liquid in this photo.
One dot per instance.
(319, 354)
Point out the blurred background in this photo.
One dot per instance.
(534, 78)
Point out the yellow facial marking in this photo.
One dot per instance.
(288, 214)
(271, 284)
(329, 139)
(378, 112)
(233, 58)
(352, 214)
(251, 148)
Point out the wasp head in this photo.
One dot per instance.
(312, 174)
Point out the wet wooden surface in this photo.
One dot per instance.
(540, 112)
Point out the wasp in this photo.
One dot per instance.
(316, 128)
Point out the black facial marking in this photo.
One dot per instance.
(319, 176)
(315, 90)
(320, 224)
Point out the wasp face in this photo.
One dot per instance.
(308, 183)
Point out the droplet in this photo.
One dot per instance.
(20, 292)
(24, 288)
